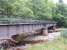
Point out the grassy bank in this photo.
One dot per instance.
(59, 44)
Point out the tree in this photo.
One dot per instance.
(42, 9)
(35, 9)
(16, 7)
(60, 14)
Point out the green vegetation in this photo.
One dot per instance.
(59, 44)
(35, 9)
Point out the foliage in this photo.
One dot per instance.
(35, 9)
(59, 14)
(59, 44)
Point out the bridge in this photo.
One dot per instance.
(9, 28)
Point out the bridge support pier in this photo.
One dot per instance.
(54, 28)
(45, 31)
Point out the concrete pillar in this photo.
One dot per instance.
(8, 33)
(45, 31)
(54, 28)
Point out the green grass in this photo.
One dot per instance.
(59, 44)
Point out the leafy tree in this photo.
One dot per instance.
(60, 14)
(42, 9)
(35, 9)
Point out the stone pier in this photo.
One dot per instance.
(45, 31)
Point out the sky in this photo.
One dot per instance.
(65, 1)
